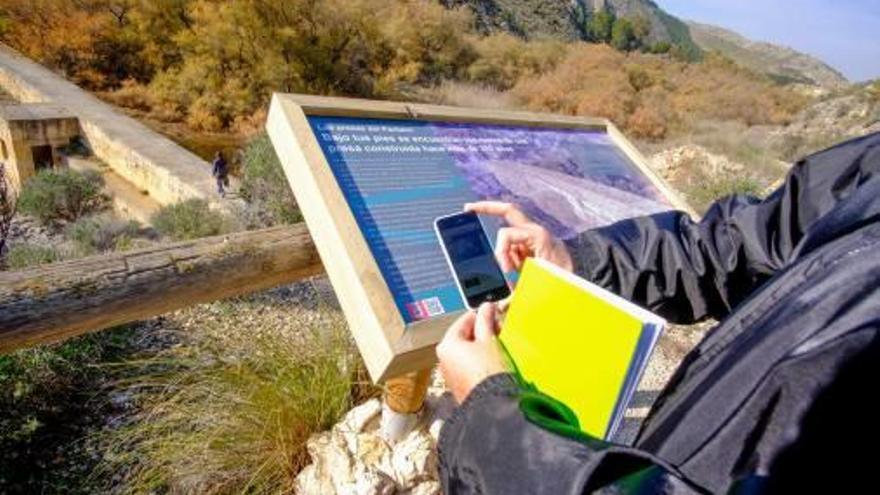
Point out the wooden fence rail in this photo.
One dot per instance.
(62, 300)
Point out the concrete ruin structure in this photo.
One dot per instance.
(34, 137)
(148, 162)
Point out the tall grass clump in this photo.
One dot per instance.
(711, 189)
(23, 256)
(189, 219)
(231, 413)
(62, 195)
(100, 233)
(265, 187)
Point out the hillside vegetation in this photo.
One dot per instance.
(640, 20)
(215, 64)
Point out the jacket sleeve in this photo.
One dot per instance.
(686, 270)
(489, 447)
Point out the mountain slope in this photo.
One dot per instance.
(525, 18)
(781, 63)
(664, 27)
(565, 19)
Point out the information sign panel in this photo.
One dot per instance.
(370, 178)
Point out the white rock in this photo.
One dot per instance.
(359, 418)
(370, 482)
(353, 458)
(414, 459)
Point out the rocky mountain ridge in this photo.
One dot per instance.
(566, 19)
(779, 62)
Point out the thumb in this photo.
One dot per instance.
(484, 330)
(463, 327)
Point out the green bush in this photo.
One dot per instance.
(599, 26)
(264, 185)
(229, 413)
(189, 219)
(24, 256)
(623, 36)
(702, 196)
(96, 234)
(47, 395)
(62, 195)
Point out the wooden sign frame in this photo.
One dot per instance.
(389, 346)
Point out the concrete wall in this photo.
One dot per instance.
(127, 201)
(138, 154)
(19, 137)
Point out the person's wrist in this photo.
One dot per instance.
(562, 256)
(494, 381)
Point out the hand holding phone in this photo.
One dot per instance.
(522, 238)
(470, 256)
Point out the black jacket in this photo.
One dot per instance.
(779, 395)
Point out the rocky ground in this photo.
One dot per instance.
(353, 458)
(26, 230)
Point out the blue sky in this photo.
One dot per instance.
(843, 33)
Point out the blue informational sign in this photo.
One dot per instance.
(399, 175)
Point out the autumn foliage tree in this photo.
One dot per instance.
(652, 96)
(212, 62)
(215, 63)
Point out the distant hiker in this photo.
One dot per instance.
(776, 398)
(221, 173)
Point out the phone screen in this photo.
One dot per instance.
(469, 252)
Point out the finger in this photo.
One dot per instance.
(462, 328)
(516, 258)
(508, 211)
(484, 328)
(508, 240)
(523, 251)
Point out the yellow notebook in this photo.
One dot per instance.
(578, 343)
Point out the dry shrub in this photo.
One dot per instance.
(647, 122)
(101, 233)
(469, 95)
(62, 195)
(589, 81)
(425, 39)
(203, 118)
(132, 95)
(190, 219)
(504, 59)
(651, 96)
(250, 125)
(718, 89)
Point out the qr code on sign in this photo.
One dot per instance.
(433, 306)
(426, 308)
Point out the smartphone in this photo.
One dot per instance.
(470, 256)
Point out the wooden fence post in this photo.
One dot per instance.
(403, 402)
